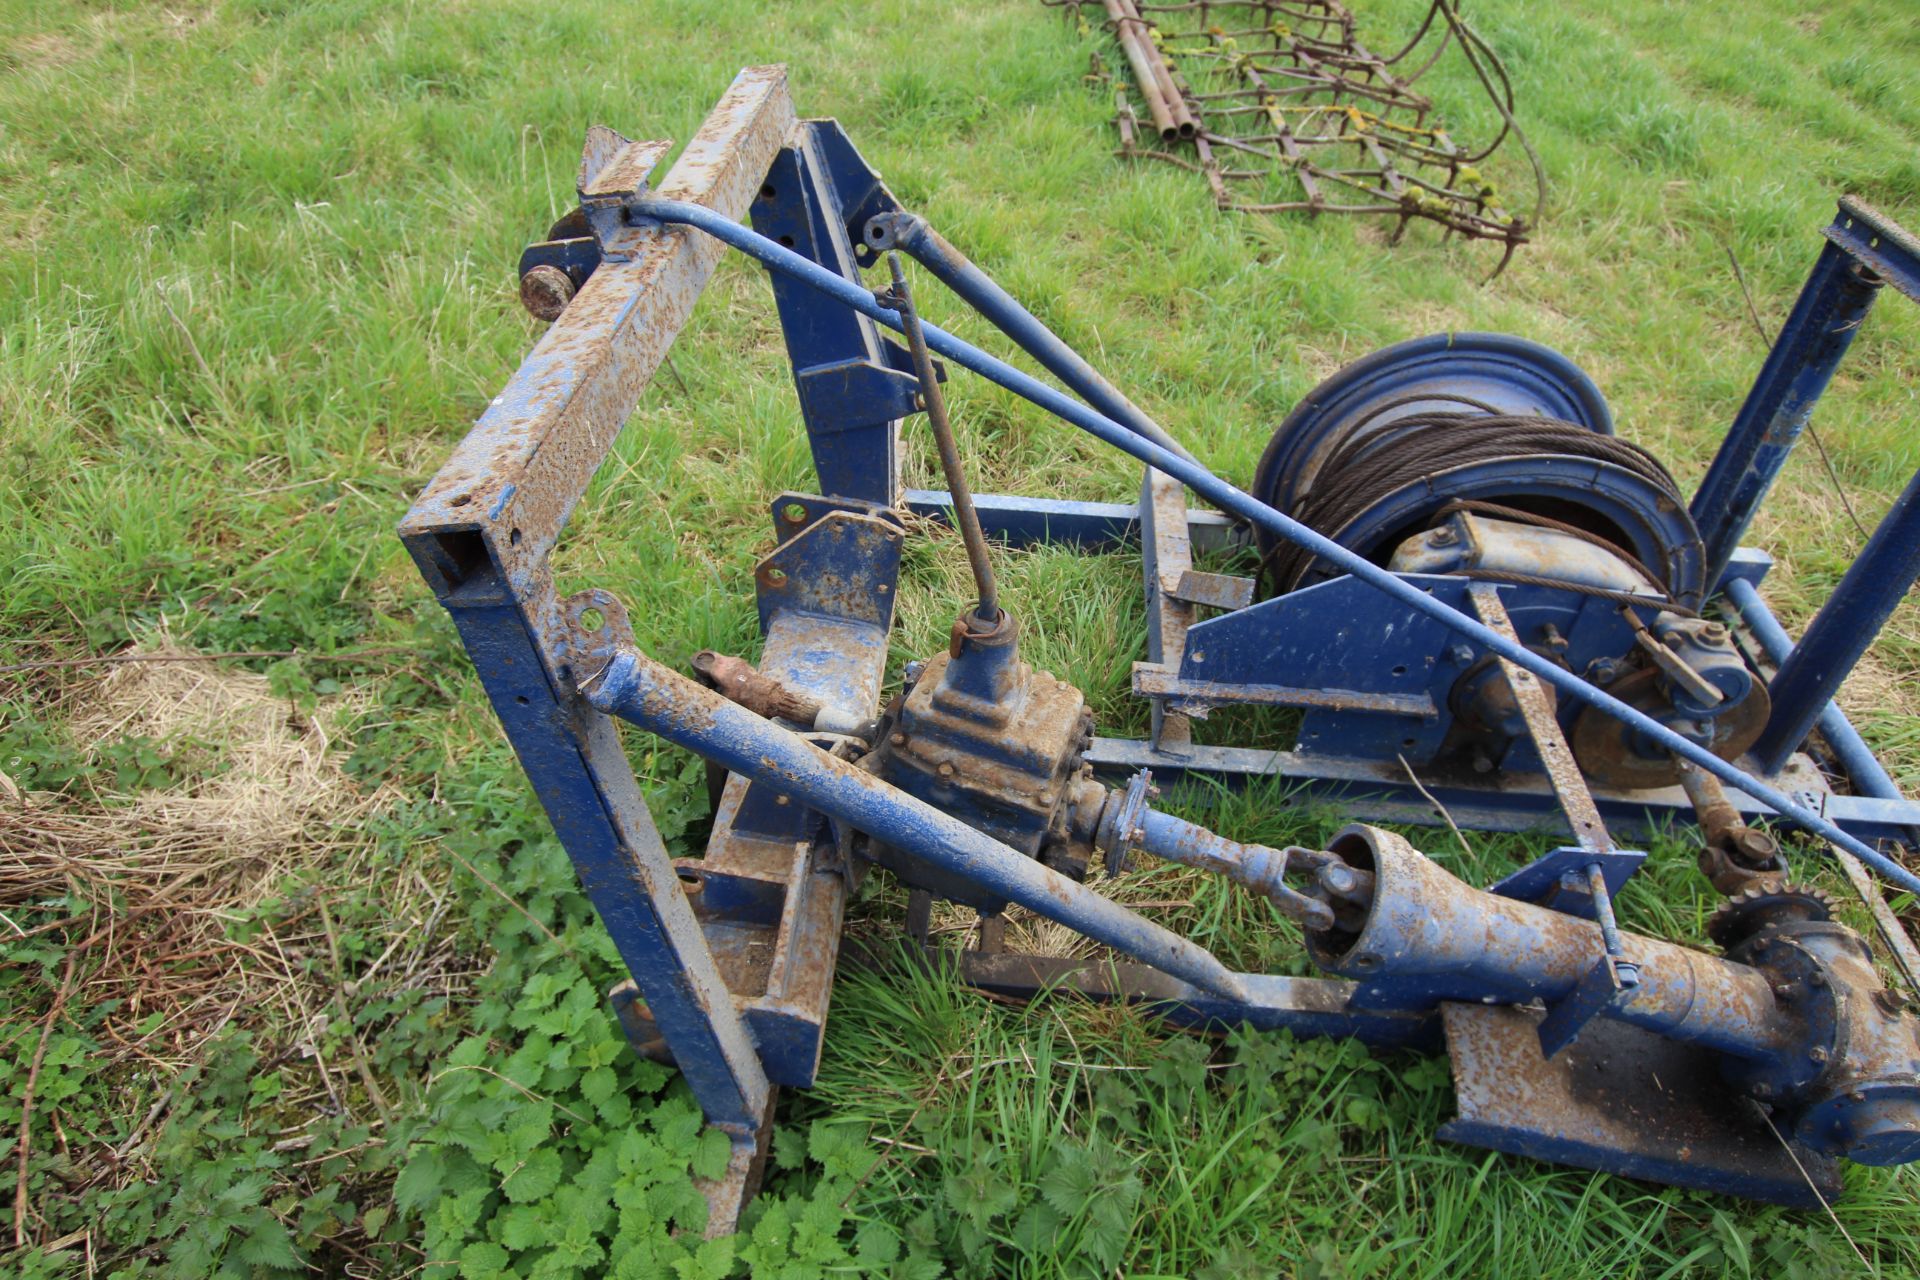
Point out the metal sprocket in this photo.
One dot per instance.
(1769, 903)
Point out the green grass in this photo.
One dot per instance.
(255, 281)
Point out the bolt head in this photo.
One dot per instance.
(946, 769)
(545, 292)
(1817, 1054)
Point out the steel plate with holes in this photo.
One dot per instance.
(1623, 1101)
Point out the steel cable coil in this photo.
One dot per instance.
(1418, 451)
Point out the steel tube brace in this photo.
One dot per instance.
(976, 288)
(1233, 500)
(1830, 310)
(1868, 776)
(638, 689)
(1846, 626)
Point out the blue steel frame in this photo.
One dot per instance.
(1801, 811)
(1864, 250)
(481, 534)
(732, 955)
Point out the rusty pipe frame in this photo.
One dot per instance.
(1164, 102)
(1237, 502)
(1184, 121)
(637, 689)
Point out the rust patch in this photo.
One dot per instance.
(528, 459)
(761, 694)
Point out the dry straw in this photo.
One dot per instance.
(145, 892)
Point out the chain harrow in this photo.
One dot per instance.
(1282, 109)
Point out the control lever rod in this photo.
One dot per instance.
(900, 298)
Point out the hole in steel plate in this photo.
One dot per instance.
(793, 513)
(1400, 670)
(592, 619)
(514, 537)
(766, 192)
(787, 241)
(691, 879)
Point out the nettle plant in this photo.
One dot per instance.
(548, 1149)
(583, 1180)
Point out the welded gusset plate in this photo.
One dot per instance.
(613, 173)
(1623, 1101)
(1378, 671)
(1602, 987)
(1557, 880)
(794, 512)
(841, 566)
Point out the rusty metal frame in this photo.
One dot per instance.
(1282, 109)
(482, 533)
(732, 955)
